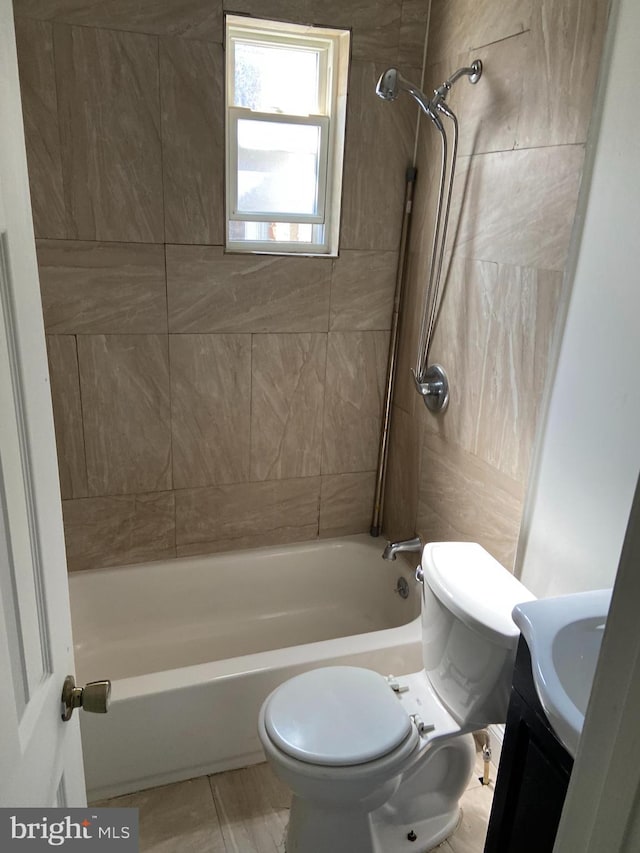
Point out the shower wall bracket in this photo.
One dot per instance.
(433, 387)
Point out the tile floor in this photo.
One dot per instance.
(246, 811)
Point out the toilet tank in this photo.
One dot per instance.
(468, 636)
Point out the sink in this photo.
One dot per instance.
(564, 635)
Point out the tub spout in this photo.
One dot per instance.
(392, 548)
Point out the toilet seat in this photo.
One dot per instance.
(336, 716)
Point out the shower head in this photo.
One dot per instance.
(391, 83)
(388, 87)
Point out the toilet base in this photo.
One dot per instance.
(328, 831)
(421, 813)
(418, 837)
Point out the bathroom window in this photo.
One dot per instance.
(285, 117)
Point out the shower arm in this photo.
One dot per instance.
(472, 71)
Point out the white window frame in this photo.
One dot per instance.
(234, 114)
(332, 48)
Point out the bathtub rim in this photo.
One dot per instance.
(171, 680)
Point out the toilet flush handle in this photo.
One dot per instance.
(419, 574)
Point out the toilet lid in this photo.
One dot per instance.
(337, 715)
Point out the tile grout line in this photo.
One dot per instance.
(82, 425)
(65, 211)
(166, 294)
(53, 21)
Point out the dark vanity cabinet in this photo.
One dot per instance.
(533, 775)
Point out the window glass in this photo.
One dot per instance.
(278, 166)
(276, 79)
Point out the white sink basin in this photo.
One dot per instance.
(564, 636)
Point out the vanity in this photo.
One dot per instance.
(555, 664)
(534, 772)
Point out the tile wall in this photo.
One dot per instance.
(462, 475)
(203, 401)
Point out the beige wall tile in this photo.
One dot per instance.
(247, 515)
(461, 345)
(287, 397)
(192, 86)
(506, 316)
(346, 503)
(102, 288)
(114, 531)
(489, 110)
(378, 149)
(212, 292)
(362, 290)
(34, 41)
(124, 381)
(464, 499)
(210, 408)
(404, 393)
(67, 415)
(200, 19)
(566, 43)
(511, 222)
(518, 206)
(109, 108)
(413, 27)
(463, 24)
(403, 476)
(375, 24)
(356, 366)
(519, 337)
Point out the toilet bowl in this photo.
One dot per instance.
(379, 764)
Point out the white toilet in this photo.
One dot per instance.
(378, 765)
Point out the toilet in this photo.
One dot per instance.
(378, 764)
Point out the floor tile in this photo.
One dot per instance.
(253, 807)
(471, 831)
(247, 811)
(175, 817)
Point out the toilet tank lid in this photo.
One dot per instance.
(475, 587)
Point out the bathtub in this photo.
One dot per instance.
(194, 645)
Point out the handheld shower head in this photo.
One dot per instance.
(388, 85)
(391, 83)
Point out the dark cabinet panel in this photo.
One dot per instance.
(533, 775)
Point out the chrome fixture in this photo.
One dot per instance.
(392, 548)
(402, 587)
(431, 380)
(383, 446)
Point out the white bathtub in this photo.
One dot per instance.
(194, 645)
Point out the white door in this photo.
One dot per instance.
(40, 756)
